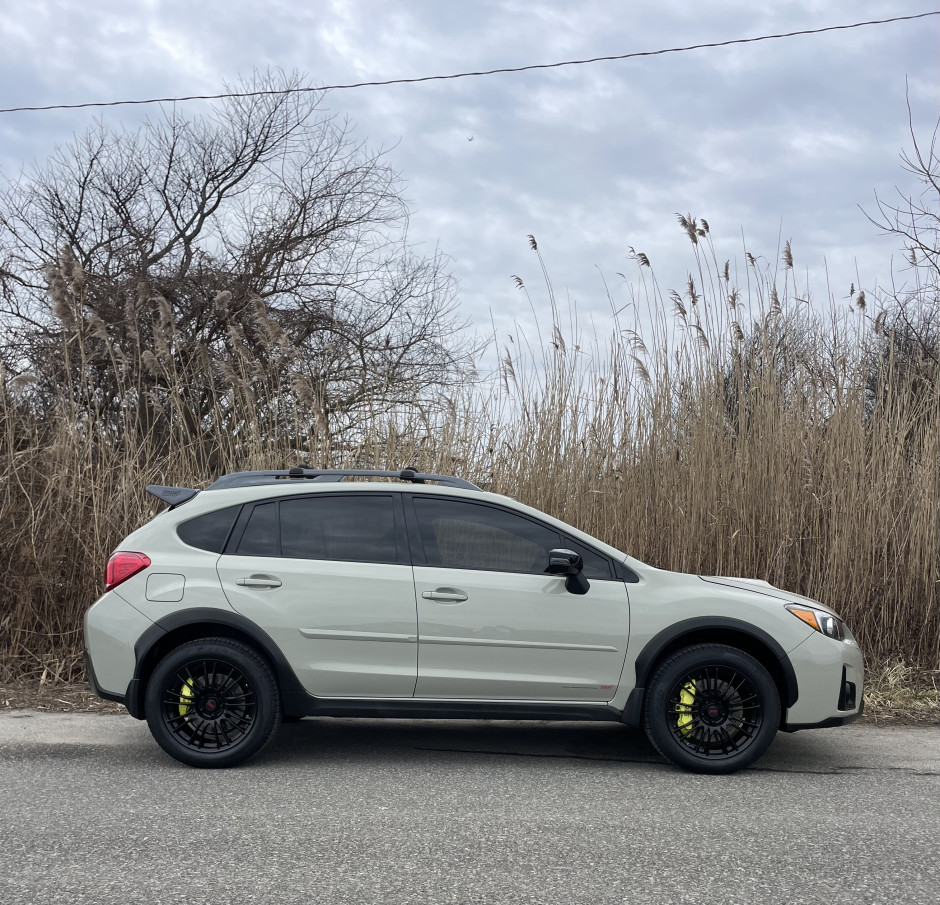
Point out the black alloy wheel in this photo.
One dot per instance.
(212, 703)
(712, 708)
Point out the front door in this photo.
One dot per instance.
(327, 577)
(493, 625)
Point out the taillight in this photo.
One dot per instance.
(122, 566)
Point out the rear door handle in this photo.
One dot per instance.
(445, 595)
(259, 582)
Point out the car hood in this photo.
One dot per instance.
(759, 586)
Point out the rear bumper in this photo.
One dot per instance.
(112, 627)
(93, 681)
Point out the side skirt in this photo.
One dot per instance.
(427, 709)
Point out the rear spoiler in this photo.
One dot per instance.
(175, 496)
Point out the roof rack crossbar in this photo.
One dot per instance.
(332, 475)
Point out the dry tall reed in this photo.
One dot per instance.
(742, 433)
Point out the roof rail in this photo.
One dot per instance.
(333, 475)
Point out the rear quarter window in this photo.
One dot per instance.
(209, 531)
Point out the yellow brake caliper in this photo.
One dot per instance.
(684, 708)
(186, 696)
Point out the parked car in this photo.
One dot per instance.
(307, 592)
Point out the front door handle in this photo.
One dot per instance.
(259, 582)
(448, 595)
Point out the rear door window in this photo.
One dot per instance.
(261, 533)
(330, 526)
(351, 528)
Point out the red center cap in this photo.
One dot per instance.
(713, 710)
(210, 704)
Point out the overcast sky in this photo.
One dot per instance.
(783, 137)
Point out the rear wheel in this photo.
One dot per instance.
(213, 703)
(712, 708)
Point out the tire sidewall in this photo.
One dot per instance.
(672, 670)
(256, 670)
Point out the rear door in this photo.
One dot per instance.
(327, 576)
(492, 623)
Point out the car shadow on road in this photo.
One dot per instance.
(325, 738)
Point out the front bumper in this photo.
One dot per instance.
(831, 678)
(830, 723)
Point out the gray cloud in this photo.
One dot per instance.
(779, 138)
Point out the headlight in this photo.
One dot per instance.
(831, 626)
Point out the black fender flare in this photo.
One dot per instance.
(294, 697)
(633, 711)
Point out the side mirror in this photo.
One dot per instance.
(569, 564)
(564, 562)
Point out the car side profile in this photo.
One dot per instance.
(281, 594)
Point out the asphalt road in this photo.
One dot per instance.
(363, 811)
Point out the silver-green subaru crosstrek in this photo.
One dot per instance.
(282, 594)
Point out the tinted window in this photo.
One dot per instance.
(209, 531)
(458, 535)
(260, 537)
(339, 526)
(596, 565)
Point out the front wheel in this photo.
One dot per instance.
(712, 708)
(213, 702)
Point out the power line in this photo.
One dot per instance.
(465, 75)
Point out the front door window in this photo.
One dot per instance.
(459, 535)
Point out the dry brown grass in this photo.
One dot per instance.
(898, 694)
(745, 433)
(60, 697)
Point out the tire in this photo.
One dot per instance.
(213, 702)
(711, 708)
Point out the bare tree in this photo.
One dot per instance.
(253, 254)
(915, 219)
(904, 359)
